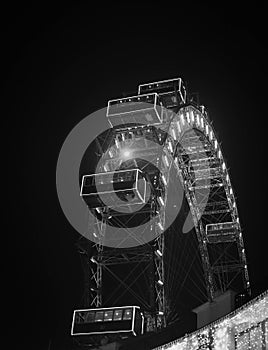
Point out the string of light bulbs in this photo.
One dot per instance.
(243, 329)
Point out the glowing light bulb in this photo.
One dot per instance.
(198, 119)
(160, 225)
(126, 153)
(158, 252)
(179, 127)
(161, 200)
(173, 134)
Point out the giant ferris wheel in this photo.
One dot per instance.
(165, 212)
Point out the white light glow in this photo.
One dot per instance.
(160, 225)
(173, 134)
(192, 115)
(159, 253)
(244, 328)
(126, 153)
(170, 146)
(188, 117)
(161, 200)
(166, 160)
(179, 127)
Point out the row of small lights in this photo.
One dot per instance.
(195, 118)
(136, 97)
(221, 330)
(133, 98)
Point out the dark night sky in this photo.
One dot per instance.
(64, 63)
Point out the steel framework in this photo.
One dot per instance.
(176, 133)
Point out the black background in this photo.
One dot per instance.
(62, 63)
